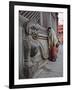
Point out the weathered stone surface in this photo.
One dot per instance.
(34, 50)
(51, 69)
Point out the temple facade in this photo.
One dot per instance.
(45, 19)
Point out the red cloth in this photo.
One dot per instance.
(53, 53)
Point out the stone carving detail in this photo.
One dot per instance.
(34, 52)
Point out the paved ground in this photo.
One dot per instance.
(51, 69)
